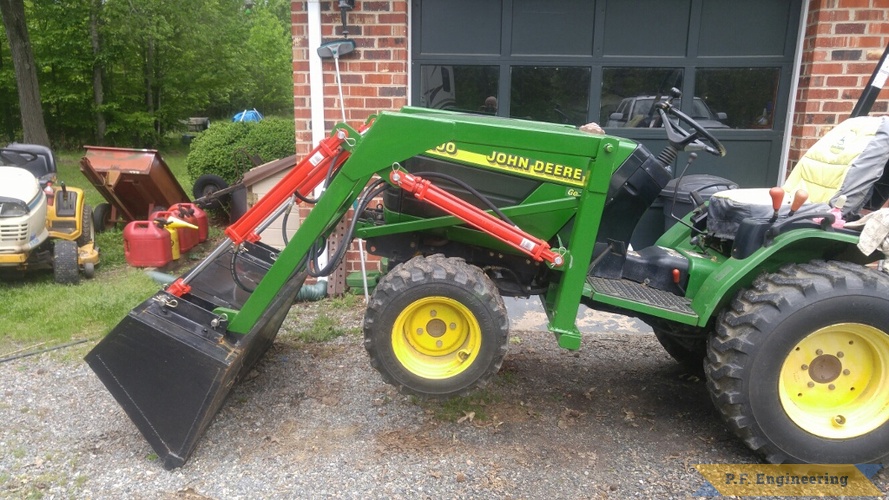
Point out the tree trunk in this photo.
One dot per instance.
(34, 127)
(98, 70)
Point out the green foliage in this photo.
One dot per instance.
(322, 329)
(216, 150)
(160, 62)
(86, 310)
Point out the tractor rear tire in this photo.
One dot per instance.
(799, 365)
(436, 326)
(66, 270)
(87, 231)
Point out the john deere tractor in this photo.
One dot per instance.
(765, 290)
(43, 223)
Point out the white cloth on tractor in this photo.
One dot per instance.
(874, 232)
(848, 160)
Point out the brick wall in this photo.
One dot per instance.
(374, 76)
(843, 42)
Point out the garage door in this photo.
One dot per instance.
(575, 61)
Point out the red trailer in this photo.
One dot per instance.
(136, 183)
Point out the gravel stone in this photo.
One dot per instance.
(617, 419)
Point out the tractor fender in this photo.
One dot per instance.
(797, 246)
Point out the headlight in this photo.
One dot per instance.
(12, 209)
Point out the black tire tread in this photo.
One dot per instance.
(66, 270)
(748, 317)
(86, 226)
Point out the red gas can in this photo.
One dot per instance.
(147, 245)
(188, 237)
(192, 213)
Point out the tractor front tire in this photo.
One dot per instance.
(66, 270)
(799, 365)
(687, 347)
(437, 327)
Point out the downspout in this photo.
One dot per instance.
(316, 78)
(316, 92)
(794, 86)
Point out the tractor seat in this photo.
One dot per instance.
(847, 161)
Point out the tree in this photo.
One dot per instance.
(34, 127)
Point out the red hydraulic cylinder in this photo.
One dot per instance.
(304, 177)
(424, 190)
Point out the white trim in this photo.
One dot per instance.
(316, 76)
(408, 61)
(794, 86)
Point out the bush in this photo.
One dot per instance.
(214, 150)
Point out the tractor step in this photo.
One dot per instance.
(641, 298)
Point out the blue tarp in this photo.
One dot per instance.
(248, 115)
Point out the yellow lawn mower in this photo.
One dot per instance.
(43, 223)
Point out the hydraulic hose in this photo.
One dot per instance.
(484, 199)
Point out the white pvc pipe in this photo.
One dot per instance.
(316, 77)
(316, 88)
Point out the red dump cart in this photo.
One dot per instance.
(136, 183)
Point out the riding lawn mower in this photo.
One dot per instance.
(44, 224)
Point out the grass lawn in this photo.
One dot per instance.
(37, 312)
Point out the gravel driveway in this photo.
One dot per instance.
(616, 419)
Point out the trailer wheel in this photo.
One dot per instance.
(799, 366)
(101, 217)
(206, 185)
(66, 270)
(436, 326)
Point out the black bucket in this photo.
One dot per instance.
(171, 370)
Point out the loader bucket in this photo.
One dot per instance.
(171, 370)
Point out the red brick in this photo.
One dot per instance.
(829, 93)
(827, 16)
(379, 103)
(842, 81)
(380, 30)
(361, 90)
(849, 28)
(396, 19)
(870, 15)
(854, 4)
(376, 6)
(846, 55)
(860, 68)
(832, 41)
(866, 41)
(837, 106)
(379, 78)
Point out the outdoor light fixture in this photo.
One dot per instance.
(345, 6)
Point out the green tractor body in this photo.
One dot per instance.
(477, 208)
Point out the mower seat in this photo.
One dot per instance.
(847, 161)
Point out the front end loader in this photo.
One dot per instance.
(476, 208)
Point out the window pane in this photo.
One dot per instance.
(459, 88)
(550, 94)
(628, 94)
(742, 97)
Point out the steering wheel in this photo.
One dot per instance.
(698, 140)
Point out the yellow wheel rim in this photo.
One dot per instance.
(835, 382)
(436, 338)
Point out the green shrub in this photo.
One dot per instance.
(213, 151)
